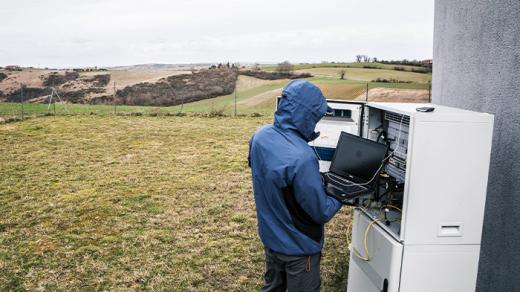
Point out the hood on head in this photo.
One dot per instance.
(301, 107)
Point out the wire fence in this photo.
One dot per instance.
(249, 102)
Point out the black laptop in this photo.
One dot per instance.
(354, 166)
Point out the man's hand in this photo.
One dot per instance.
(324, 178)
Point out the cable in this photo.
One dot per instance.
(380, 167)
(367, 229)
(374, 221)
(379, 136)
(392, 207)
(366, 258)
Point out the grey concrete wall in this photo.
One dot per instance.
(477, 66)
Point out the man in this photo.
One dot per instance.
(292, 206)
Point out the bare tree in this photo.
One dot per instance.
(285, 67)
(366, 58)
(359, 58)
(235, 66)
(342, 73)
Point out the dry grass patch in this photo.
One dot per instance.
(396, 95)
(345, 91)
(118, 203)
(124, 78)
(364, 74)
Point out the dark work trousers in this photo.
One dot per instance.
(291, 273)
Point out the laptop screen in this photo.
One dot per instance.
(357, 158)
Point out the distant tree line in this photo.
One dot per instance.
(365, 59)
(426, 66)
(232, 66)
(274, 75)
(284, 70)
(407, 63)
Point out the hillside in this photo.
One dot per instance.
(132, 86)
(154, 89)
(179, 89)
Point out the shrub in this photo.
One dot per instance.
(178, 89)
(99, 80)
(78, 96)
(371, 67)
(285, 67)
(55, 79)
(217, 111)
(28, 93)
(391, 80)
(422, 70)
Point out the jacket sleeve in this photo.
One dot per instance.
(310, 193)
(249, 152)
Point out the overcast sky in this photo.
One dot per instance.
(63, 33)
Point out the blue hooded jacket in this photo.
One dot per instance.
(292, 206)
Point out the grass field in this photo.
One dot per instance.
(126, 203)
(253, 95)
(362, 74)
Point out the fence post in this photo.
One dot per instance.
(235, 100)
(115, 107)
(366, 96)
(21, 99)
(429, 93)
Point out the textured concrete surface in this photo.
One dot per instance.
(477, 67)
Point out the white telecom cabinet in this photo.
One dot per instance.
(429, 210)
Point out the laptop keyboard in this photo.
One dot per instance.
(343, 186)
(348, 188)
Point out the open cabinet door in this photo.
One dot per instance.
(347, 117)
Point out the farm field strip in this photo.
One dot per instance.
(363, 74)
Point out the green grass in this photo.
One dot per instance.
(227, 102)
(135, 203)
(38, 108)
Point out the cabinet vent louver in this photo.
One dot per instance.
(397, 118)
